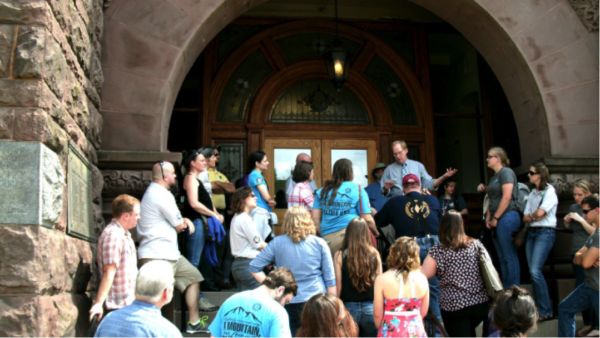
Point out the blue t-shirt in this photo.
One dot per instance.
(343, 209)
(375, 196)
(254, 180)
(395, 212)
(251, 314)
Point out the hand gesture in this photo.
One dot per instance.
(272, 203)
(388, 185)
(575, 217)
(481, 187)
(568, 218)
(96, 310)
(450, 172)
(220, 218)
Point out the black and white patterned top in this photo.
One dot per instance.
(459, 275)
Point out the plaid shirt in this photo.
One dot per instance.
(301, 196)
(115, 246)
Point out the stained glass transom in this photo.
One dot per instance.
(306, 46)
(317, 101)
(231, 36)
(231, 162)
(394, 91)
(241, 85)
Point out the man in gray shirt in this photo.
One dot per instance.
(392, 177)
(586, 294)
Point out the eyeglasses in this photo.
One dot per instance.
(586, 211)
(490, 156)
(531, 173)
(216, 154)
(161, 169)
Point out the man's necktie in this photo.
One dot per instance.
(404, 169)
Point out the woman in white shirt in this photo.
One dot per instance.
(540, 212)
(245, 239)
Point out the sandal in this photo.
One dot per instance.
(545, 318)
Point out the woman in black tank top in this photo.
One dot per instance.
(356, 266)
(196, 202)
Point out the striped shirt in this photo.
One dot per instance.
(301, 196)
(115, 246)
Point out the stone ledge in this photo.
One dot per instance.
(134, 160)
(564, 164)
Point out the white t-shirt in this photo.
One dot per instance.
(203, 177)
(244, 237)
(159, 216)
(549, 204)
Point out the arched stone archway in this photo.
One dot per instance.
(541, 52)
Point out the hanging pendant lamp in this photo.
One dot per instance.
(337, 60)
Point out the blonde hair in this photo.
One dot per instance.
(297, 224)
(402, 143)
(404, 256)
(501, 153)
(583, 185)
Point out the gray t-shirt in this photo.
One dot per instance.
(580, 236)
(494, 190)
(591, 274)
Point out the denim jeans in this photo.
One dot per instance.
(294, 311)
(243, 278)
(434, 285)
(362, 312)
(581, 299)
(588, 315)
(507, 252)
(195, 243)
(539, 243)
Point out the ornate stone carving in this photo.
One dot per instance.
(587, 10)
(117, 182)
(564, 183)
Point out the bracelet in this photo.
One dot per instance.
(487, 221)
(496, 218)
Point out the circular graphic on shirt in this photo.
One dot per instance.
(256, 307)
(259, 180)
(348, 190)
(178, 215)
(256, 239)
(410, 208)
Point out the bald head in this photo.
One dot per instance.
(159, 172)
(302, 157)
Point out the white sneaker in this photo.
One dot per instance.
(206, 306)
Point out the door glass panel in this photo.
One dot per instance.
(359, 163)
(284, 162)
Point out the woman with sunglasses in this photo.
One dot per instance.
(502, 214)
(540, 212)
(246, 241)
(581, 232)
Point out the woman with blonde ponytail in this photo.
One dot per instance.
(401, 298)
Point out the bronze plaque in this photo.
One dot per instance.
(79, 180)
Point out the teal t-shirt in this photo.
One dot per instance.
(254, 180)
(250, 314)
(343, 209)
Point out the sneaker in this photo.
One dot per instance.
(206, 306)
(199, 327)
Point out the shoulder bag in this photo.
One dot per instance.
(490, 277)
(520, 236)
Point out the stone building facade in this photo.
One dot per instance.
(104, 75)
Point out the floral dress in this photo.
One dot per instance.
(402, 316)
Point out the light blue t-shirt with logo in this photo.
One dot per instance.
(254, 180)
(343, 209)
(251, 314)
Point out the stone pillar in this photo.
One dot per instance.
(50, 81)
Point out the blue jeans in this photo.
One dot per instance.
(243, 278)
(581, 299)
(539, 243)
(362, 312)
(434, 285)
(195, 243)
(507, 252)
(588, 315)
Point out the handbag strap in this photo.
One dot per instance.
(360, 200)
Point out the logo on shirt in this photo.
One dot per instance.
(256, 307)
(259, 180)
(179, 215)
(410, 208)
(256, 239)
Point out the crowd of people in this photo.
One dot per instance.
(326, 275)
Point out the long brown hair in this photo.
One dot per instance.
(363, 261)
(541, 169)
(404, 256)
(342, 172)
(452, 233)
(321, 318)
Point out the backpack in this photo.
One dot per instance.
(521, 198)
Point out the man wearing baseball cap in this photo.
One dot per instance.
(400, 211)
(376, 198)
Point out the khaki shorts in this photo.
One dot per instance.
(335, 240)
(185, 273)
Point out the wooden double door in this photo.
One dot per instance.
(282, 153)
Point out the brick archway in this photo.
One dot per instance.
(540, 51)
